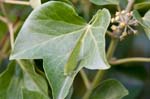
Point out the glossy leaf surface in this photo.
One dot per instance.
(66, 43)
(14, 79)
(109, 89)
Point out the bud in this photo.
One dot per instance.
(114, 28)
(112, 20)
(123, 12)
(129, 14)
(122, 24)
(121, 38)
(116, 18)
(117, 13)
(143, 18)
(124, 34)
(135, 31)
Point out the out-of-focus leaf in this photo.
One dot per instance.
(32, 78)
(55, 33)
(144, 22)
(141, 1)
(35, 3)
(6, 79)
(105, 2)
(109, 89)
(3, 30)
(27, 94)
(13, 79)
(143, 5)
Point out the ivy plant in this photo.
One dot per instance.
(68, 44)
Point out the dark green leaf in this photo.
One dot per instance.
(3, 30)
(105, 2)
(27, 94)
(141, 1)
(32, 78)
(109, 89)
(143, 5)
(14, 79)
(55, 33)
(144, 22)
(5, 81)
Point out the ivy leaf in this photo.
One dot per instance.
(14, 79)
(32, 78)
(28, 94)
(143, 5)
(105, 2)
(5, 80)
(109, 89)
(144, 22)
(66, 43)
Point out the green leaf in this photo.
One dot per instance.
(141, 1)
(143, 5)
(32, 78)
(144, 22)
(35, 3)
(3, 30)
(27, 94)
(55, 33)
(109, 89)
(69, 96)
(13, 80)
(6, 79)
(105, 2)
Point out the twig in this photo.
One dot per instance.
(129, 6)
(3, 9)
(16, 2)
(129, 60)
(3, 19)
(11, 32)
(85, 79)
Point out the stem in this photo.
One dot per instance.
(86, 8)
(118, 8)
(110, 53)
(11, 31)
(9, 25)
(109, 33)
(3, 19)
(85, 79)
(100, 73)
(16, 2)
(129, 60)
(129, 6)
(112, 48)
(3, 9)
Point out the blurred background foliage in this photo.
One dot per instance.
(135, 76)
